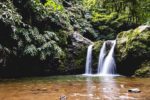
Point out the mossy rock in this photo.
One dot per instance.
(96, 50)
(144, 70)
(74, 62)
(133, 48)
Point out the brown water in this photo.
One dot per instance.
(74, 88)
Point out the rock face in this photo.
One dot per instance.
(96, 50)
(133, 50)
(75, 54)
(144, 70)
(78, 40)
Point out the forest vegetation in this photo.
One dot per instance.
(50, 37)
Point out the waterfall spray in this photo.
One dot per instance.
(106, 62)
(102, 55)
(88, 68)
(109, 65)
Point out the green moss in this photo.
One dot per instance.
(97, 46)
(110, 24)
(104, 31)
(134, 42)
(73, 62)
(122, 18)
(144, 70)
(104, 18)
(80, 58)
(96, 50)
(133, 48)
(88, 4)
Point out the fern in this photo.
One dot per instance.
(8, 13)
(30, 50)
(37, 45)
(50, 35)
(20, 44)
(28, 41)
(42, 56)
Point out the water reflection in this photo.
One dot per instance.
(89, 84)
(108, 88)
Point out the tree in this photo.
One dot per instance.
(137, 10)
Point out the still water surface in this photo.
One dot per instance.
(75, 87)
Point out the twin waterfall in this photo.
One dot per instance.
(106, 62)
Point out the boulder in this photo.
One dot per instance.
(133, 49)
(75, 54)
(144, 70)
(78, 40)
(134, 90)
(63, 98)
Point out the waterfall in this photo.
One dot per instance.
(102, 55)
(106, 62)
(88, 68)
(109, 65)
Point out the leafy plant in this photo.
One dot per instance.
(53, 5)
(32, 43)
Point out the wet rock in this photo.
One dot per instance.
(96, 48)
(132, 50)
(134, 90)
(63, 98)
(144, 70)
(78, 40)
(76, 53)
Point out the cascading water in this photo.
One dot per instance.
(101, 58)
(88, 69)
(109, 65)
(106, 64)
(106, 67)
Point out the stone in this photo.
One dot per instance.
(144, 70)
(132, 50)
(134, 90)
(78, 40)
(63, 98)
(76, 54)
